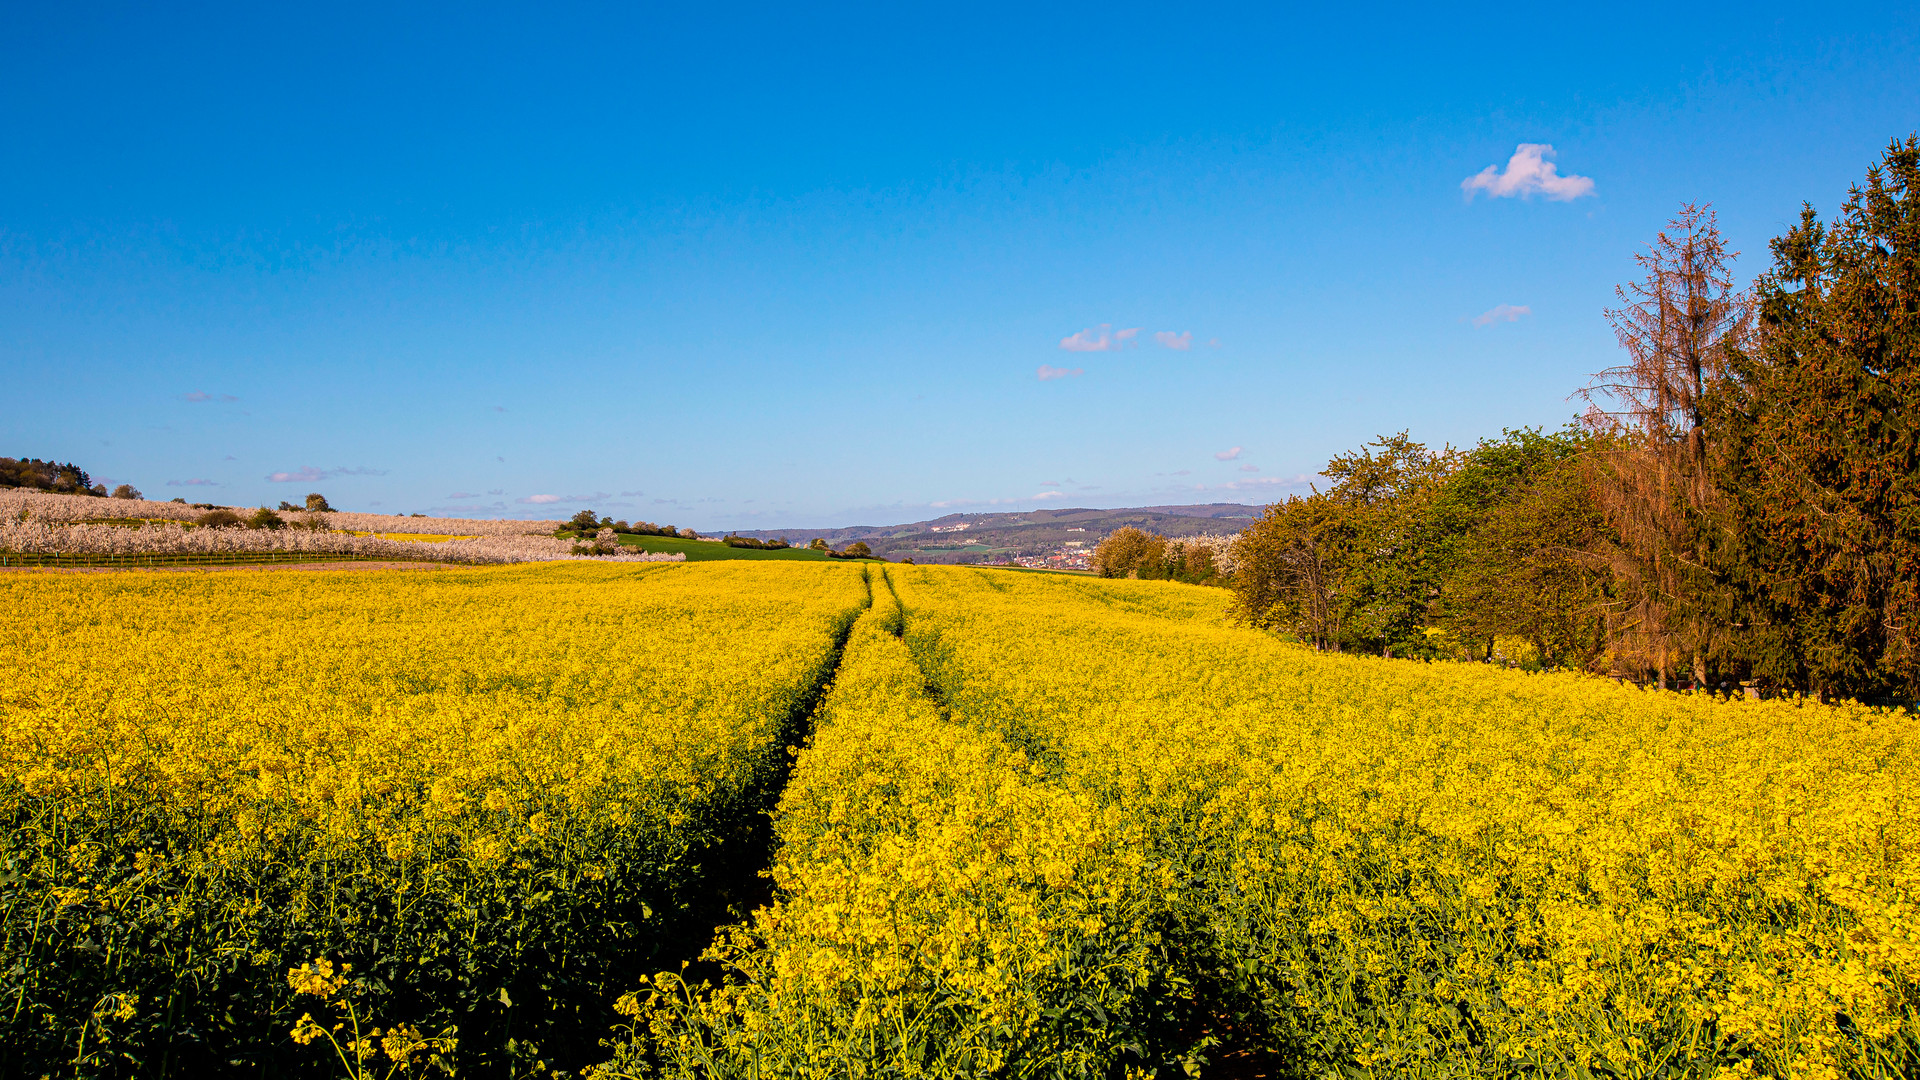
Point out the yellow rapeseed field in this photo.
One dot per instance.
(493, 792)
(1035, 826)
(1093, 826)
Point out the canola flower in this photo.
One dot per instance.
(1355, 867)
(496, 792)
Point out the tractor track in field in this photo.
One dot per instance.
(739, 882)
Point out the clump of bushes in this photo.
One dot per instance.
(1133, 553)
(222, 517)
(587, 521)
(605, 542)
(756, 544)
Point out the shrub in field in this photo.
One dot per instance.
(498, 795)
(219, 519)
(1128, 551)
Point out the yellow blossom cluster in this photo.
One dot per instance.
(476, 786)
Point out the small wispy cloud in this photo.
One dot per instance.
(195, 482)
(1249, 468)
(1048, 495)
(1049, 483)
(1266, 481)
(202, 395)
(631, 494)
(496, 491)
(1528, 173)
(1102, 338)
(1048, 371)
(309, 474)
(543, 500)
(464, 495)
(1255, 483)
(499, 408)
(1502, 313)
(1227, 455)
(1181, 341)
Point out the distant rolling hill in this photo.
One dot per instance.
(988, 537)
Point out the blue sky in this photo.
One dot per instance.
(774, 267)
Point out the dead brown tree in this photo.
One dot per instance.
(1679, 325)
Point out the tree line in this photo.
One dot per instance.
(59, 478)
(1739, 505)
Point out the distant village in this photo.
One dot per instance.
(1070, 555)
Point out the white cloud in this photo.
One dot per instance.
(1249, 468)
(539, 500)
(308, 474)
(1050, 372)
(1181, 341)
(1529, 173)
(195, 482)
(1257, 482)
(1049, 483)
(1048, 495)
(1100, 338)
(1502, 313)
(464, 495)
(1227, 455)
